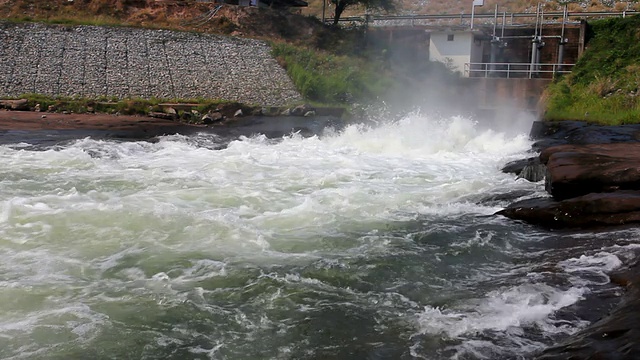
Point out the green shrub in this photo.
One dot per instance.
(603, 86)
(333, 79)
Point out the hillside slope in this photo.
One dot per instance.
(459, 6)
(176, 15)
(605, 83)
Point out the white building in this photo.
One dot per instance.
(456, 48)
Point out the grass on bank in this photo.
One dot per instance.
(375, 73)
(604, 86)
(142, 107)
(332, 79)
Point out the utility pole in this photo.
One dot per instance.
(324, 6)
(473, 9)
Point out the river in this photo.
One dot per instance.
(364, 243)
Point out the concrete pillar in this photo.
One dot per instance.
(495, 45)
(561, 45)
(533, 68)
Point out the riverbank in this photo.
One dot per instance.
(592, 174)
(31, 120)
(15, 125)
(603, 87)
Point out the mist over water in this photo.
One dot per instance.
(369, 242)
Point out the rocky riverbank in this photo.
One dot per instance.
(15, 126)
(593, 176)
(91, 61)
(592, 173)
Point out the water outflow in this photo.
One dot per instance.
(365, 243)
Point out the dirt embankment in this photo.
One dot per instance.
(31, 120)
(184, 15)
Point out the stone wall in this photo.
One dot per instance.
(90, 61)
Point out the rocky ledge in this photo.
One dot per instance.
(593, 176)
(592, 173)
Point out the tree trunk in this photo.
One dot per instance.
(340, 6)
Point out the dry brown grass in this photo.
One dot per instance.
(603, 86)
(459, 6)
(171, 14)
(183, 14)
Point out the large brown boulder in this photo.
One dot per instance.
(574, 170)
(553, 133)
(592, 210)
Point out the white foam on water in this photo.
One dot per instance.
(508, 312)
(601, 261)
(149, 220)
(501, 310)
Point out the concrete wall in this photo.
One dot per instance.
(456, 52)
(496, 93)
(90, 61)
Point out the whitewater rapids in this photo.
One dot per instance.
(372, 243)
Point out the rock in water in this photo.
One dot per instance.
(575, 170)
(212, 117)
(533, 172)
(530, 169)
(615, 337)
(301, 110)
(592, 210)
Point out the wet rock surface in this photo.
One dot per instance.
(548, 134)
(588, 211)
(593, 174)
(614, 337)
(32, 127)
(575, 170)
(530, 169)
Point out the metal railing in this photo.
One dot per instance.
(515, 70)
(553, 16)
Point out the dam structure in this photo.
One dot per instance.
(504, 59)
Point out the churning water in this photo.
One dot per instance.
(372, 243)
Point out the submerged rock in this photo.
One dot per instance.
(301, 110)
(591, 210)
(614, 337)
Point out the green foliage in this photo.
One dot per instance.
(134, 106)
(332, 79)
(376, 72)
(615, 45)
(580, 102)
(605, 83)
(341, 5)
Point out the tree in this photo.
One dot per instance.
(369, 4)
